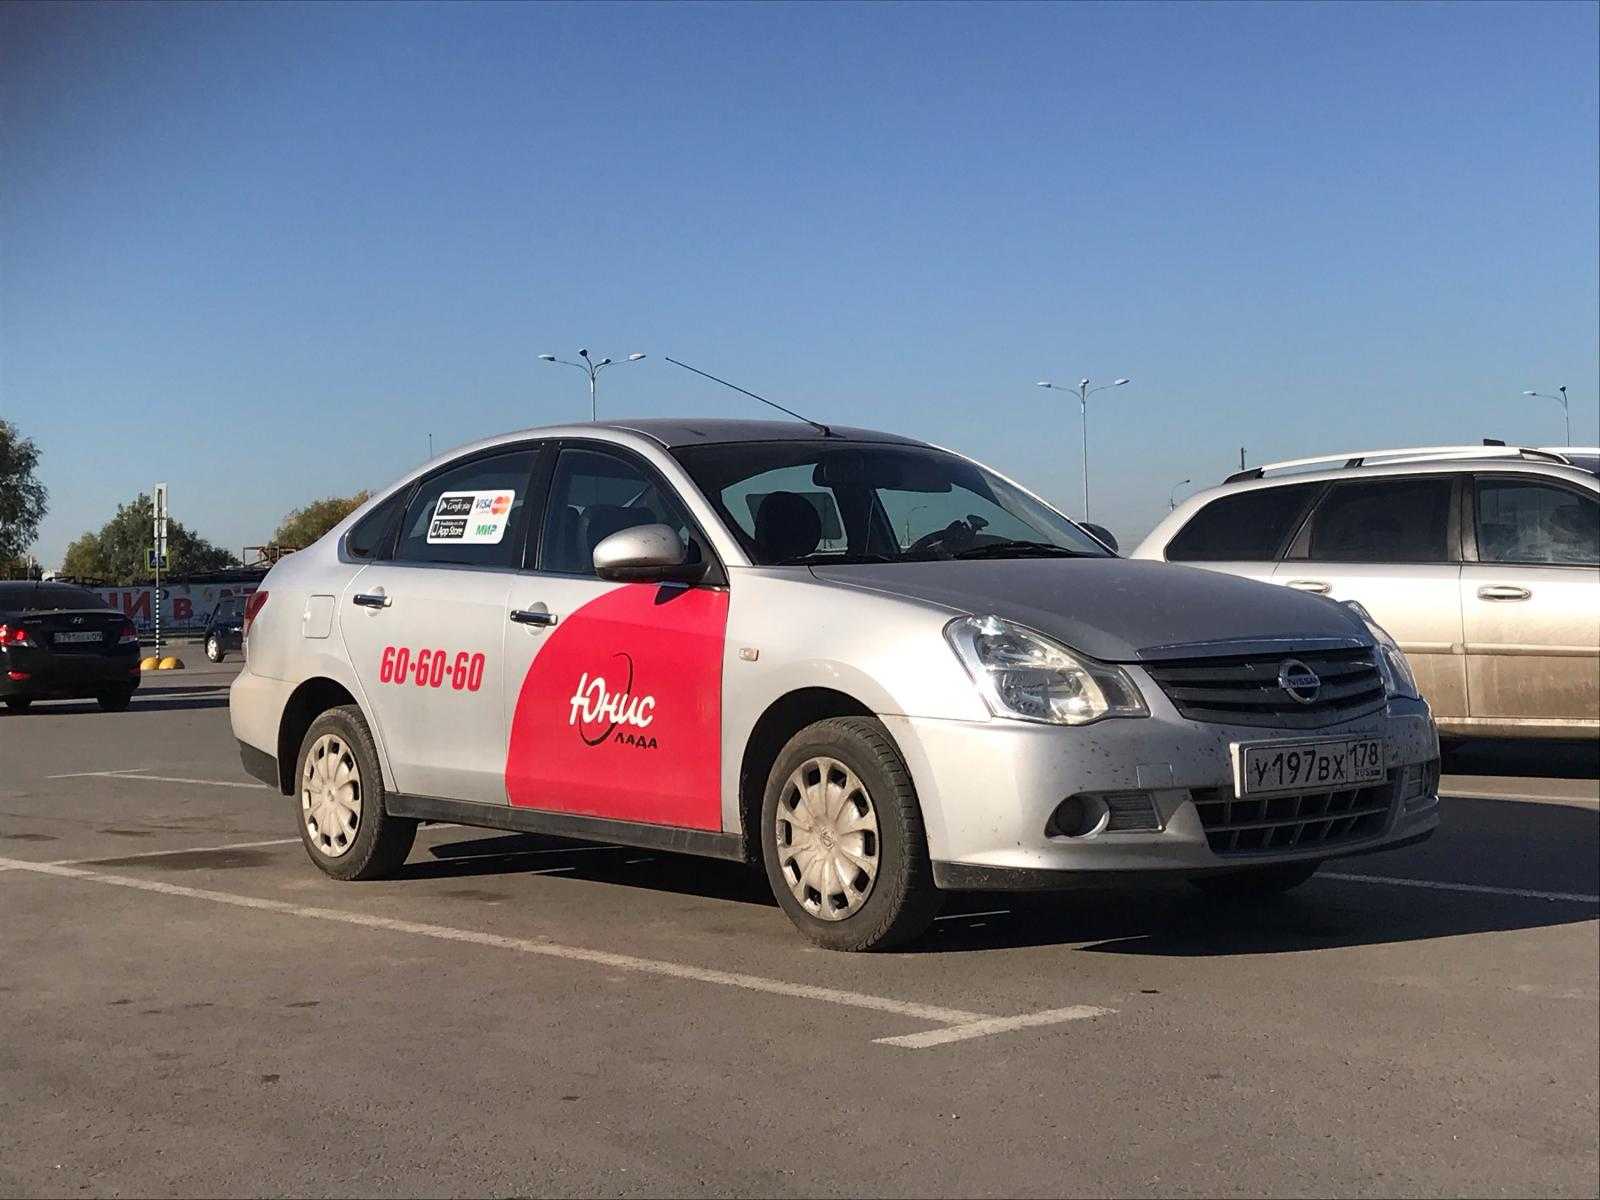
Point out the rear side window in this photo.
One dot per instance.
(370, 538)
(470, 515)
(1244, 527)
(1384, 521)
(1524, 522)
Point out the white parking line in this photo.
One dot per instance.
(137, 773)
(1436, 885)
(962, 1025)
(73, 862)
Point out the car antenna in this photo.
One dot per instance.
(818, 425)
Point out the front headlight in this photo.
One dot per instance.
(1393, 665)
(1025, 675)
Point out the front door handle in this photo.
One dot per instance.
(533, 616)
(1503, 592)
(371, 600)
(1309, 585)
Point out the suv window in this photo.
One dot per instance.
(370, 537)
(1384, 521)
(470, 515)
(1520, 521)
(1244, 527)
(596, 493)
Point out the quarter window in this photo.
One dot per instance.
(1244, 527)
(371, 536)
(1384, 521)
(1524, 522)
(470, 515)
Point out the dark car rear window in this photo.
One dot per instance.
(1244, 527)
(45, 597)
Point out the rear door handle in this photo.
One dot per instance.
(1309, 585)
(1503, 592)
(533, 616)
(371, 600)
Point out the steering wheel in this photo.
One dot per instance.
(956, 536)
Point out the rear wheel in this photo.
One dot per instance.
(19, 704)
(115, 699)
(214, 650)
(1257, 881)
(343, 824)
(842, 838)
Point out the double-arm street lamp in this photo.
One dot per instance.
(1084, 392)
(590, 368)
(1561, 400)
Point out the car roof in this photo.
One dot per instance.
(690, 431)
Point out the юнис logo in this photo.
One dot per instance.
(1299, 680)
(594, 705)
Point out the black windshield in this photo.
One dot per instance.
(829, 502)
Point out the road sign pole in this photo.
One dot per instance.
(160, 540)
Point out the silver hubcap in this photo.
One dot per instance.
(215, 647)
(827, 839)
(330, 795)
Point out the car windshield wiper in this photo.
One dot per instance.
(1020, 549)
(831, 560)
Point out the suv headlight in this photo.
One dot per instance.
(1393, 665)
(1025, 675)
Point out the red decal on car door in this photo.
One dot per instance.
(620, 714)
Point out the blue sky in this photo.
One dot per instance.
(262, 252)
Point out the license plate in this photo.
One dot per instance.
(85, 635)
(1308, 766)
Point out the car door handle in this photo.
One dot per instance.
(1309, 585)
(1503, 592)
(371, 600)
(533, 616)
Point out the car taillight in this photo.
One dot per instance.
(129, 635)
(251, 607)
(13, 635)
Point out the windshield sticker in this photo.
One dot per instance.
(470, 518)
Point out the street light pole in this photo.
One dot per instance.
(1561, 400)
(592, 369)
(1172, 495)
(1084, 392)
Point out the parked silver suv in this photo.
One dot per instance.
(1480, 560)
(876, 667)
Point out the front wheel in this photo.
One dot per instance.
(842, 838)
(1257, 881)
(343, 824)
(214, 650)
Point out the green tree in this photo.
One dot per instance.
(23, 499)
(117, 552)
(302, 526)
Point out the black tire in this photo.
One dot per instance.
(115, 699)
(214, 650)
(902, 901)
(381, 841)
(19, 704)
(1257, 881)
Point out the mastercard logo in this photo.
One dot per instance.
(500, 505)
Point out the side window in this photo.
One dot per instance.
(1520, 521)
(1384, 521)
(470, 515)
(1244, 527)
(595, 493)
(744, 499)
(369, 538)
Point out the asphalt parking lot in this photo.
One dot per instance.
(190, 1007)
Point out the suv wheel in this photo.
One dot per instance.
(1257, 881)
(214, 650)
(842, 838)
(19, 704)
(343, 824)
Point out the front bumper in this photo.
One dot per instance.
(988, 790)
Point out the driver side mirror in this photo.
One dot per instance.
(1100, 534)
(646, 554)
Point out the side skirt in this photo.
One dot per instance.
(704, 842)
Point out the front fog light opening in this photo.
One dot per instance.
(1078, 817)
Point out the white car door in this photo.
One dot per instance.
(1393, 545)
(425, 629)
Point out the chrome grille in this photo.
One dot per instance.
(1243, 689)
(1271, 824)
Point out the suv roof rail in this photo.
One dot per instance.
(1364, 458)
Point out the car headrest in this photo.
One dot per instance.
(600, 521)
(787, 526)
